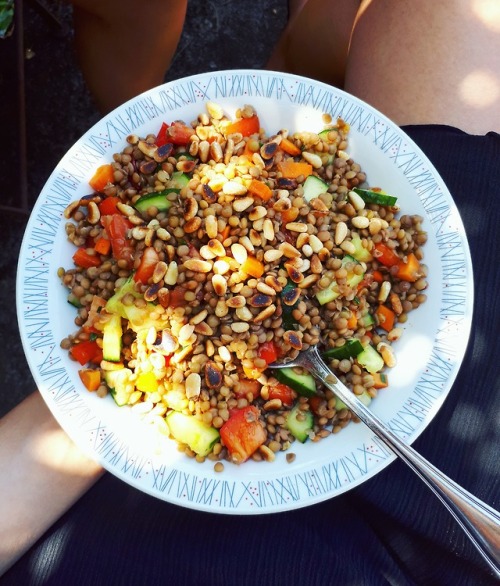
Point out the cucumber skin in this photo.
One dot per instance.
(288, 377)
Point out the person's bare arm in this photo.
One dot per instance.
(125, 47)
(315, 42)
(42, 473)
(429, 62)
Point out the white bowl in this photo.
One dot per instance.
(429, 354)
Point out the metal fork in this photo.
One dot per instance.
(480, 522)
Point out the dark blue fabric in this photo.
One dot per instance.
(391, 530)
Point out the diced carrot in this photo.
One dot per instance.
(380, 379)
(289, 215)
(385, 317)
(91, 378)
(253, 267)
(289, 147)
(83, 258)
(260, 189)
(177, 297)
(225, 232)
(378, 276)
(292, 169)
(243, 126)
(104, 175)
(102, 245)
(242, 433)
(410, 270)
(352, 321)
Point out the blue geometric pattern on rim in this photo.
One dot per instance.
(206, 491)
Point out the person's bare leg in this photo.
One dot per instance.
(429, 61)
(125, 47)
(315, 42)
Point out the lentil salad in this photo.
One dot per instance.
(209, 250)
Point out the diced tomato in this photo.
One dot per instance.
(149, 260)
(161, 137)
(116, 227)
(247, 387)
(178, 133)
(283, 392)
(177, 297)
(83, 258)
(268, 351)
(86, 351)
(243, 434)
(316, 402)
(107, 207)
(104, 176)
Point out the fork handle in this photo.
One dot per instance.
(480, 522)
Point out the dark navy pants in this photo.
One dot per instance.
(390, 530)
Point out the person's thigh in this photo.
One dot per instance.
(429, 62)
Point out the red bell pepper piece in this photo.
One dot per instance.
(179, 133)
(107, 207)
(161, 137)
(242, 433)
(268, 351)
(86, 351)
(82, 258)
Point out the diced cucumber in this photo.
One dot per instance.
(350, 348)
(339, 404)
(158, 200)
(360, 253)
(120, 387)
(365, 398)
(332, 291)
(377, 197)
(193, 432)
(112, 339)
(299, 423)
(114, 303)
(370, 359)
(313, 187)
(140, 317)
(179, 180)
(299, 381)
(366, 320)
